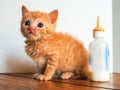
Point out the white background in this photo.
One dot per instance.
(76, 17)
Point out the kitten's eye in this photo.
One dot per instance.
(40, 25)
(27, 23)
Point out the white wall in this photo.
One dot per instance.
(116, 36)
(77, 17)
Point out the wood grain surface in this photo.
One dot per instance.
(25, 82)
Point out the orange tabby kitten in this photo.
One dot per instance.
(54, 53)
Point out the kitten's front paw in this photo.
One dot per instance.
(35, 75)
(43, 77)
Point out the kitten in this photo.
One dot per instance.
(54, 53)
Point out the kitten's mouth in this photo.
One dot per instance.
(32, 33)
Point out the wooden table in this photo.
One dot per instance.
(25, 82)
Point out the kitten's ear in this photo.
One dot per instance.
(24, 10)
(53, 16)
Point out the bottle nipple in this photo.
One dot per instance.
(98, 28)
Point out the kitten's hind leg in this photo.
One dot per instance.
(67, 75)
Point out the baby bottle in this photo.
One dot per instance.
(98, 56)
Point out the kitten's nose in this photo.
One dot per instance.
(32, 30)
